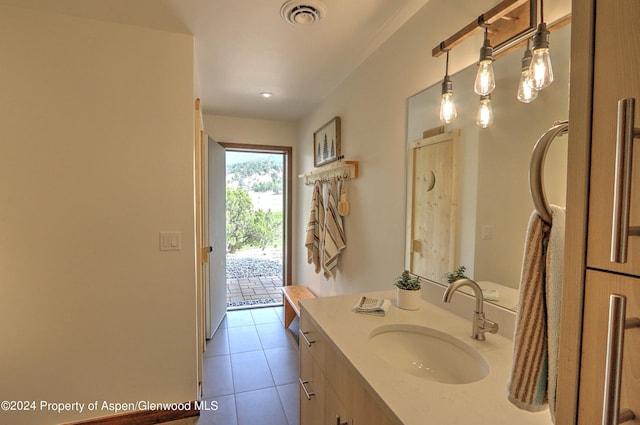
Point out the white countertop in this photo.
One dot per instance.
(414, 400)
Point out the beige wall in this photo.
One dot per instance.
(372, 105)
(250, 130)
(96, 158)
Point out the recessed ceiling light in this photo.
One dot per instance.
(266, 94)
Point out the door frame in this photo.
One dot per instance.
(202, 253)
(287, 151)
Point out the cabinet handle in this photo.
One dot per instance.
(304, 388)
(625, 133)
(307, 340)
(611, 412)
(338, 422)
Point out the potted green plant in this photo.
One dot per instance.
(458, 274)
(408, 291)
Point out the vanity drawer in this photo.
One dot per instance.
(597, 315)
(340, 394)
(347, 396)
(341, 378)
(312, 339)
(312, 389)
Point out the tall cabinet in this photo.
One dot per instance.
(600, 333)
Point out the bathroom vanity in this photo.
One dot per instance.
(359, 369)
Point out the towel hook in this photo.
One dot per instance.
(536, 169)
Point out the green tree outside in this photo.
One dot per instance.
(265, 226)
(247, 227)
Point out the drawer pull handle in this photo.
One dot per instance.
(338, 421)
(304, 388)
(611, 412)
(307, 340)
(625, 133)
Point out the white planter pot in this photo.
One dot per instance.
(409, 300)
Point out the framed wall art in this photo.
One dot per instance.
(326, 143)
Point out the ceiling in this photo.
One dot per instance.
(244, 47)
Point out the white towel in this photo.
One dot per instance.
(315, 228)
(334, 238)
(534, 370)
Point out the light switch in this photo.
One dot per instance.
(170, 241)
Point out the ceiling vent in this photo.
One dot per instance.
(303, 12)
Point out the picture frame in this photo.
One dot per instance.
(326, 143)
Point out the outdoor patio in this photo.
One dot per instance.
(247, 292)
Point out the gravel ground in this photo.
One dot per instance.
(252, 267)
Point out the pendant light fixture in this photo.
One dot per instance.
(485, 79)
(485, 112)
(448, 111)
(526, 89)
(541, 71)
(535, 71)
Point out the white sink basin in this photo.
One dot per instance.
(428, 353)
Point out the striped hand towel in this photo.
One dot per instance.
(374, 306)
(315, 227)
(535, 363)
(334, 238)
(527, 388)
(553, 281)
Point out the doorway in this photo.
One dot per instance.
(258, 223)
(251, 359)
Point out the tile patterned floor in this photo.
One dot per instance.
(251, 291)
(251, 370)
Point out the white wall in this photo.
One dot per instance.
(372, 105)
(250, 130)
(96, 158)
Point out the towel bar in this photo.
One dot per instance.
(536, 169)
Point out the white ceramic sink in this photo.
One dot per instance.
(428, 353)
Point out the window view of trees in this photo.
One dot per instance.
(257, 176)
(254, 202)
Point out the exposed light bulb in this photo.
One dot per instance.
(526, 92)
(448, 111)
(541, 71)
(485, 78)
(540, 68)
(526, 89)
(485, 112)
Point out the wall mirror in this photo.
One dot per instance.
(481, 206)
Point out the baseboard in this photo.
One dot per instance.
(145, 417)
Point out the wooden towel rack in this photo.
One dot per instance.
(343, 170)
